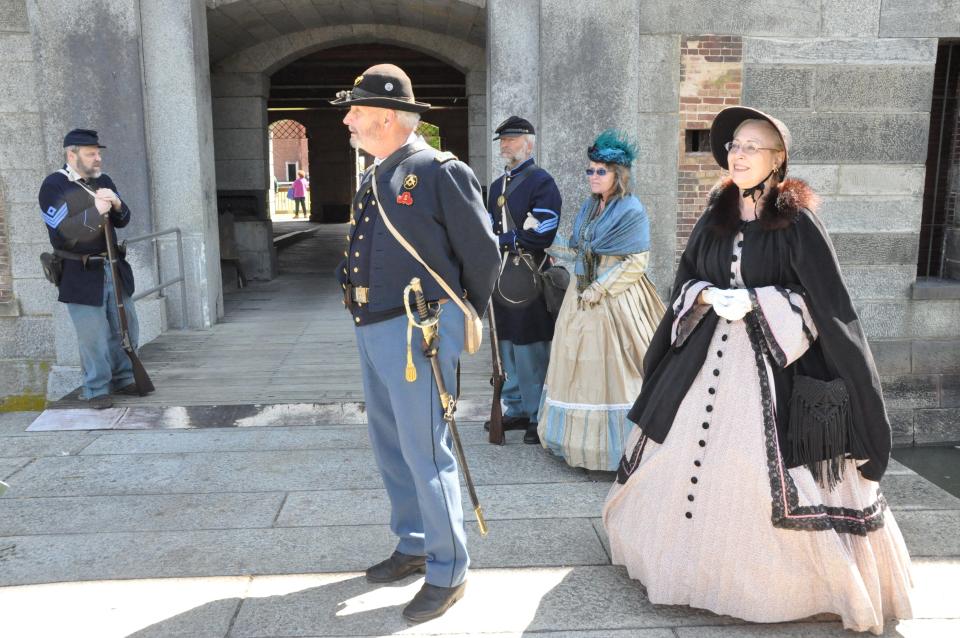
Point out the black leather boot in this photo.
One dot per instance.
(510, 423)
(397, 567)
(531, 435)
(432, 601)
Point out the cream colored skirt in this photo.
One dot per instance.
(595, 374)
(712, 518)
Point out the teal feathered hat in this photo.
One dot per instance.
(613, 147)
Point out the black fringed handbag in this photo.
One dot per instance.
(820, 427)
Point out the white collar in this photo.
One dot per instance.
(71, 174)
(413, 137)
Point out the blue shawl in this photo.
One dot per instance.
(622, 229)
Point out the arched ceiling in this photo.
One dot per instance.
(234, 25)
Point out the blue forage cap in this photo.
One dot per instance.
(613, 147)
(82, 137)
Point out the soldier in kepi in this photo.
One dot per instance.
(434, 202)
(73, 204)
(524, 203)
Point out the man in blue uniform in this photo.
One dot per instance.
(524, 203)
(434, 202)
(73, 202)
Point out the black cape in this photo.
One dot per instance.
(788, 247)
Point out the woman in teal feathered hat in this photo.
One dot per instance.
(608, 316)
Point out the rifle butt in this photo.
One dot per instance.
(140, 377)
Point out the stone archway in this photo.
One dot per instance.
(240, 85)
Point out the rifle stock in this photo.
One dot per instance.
(140, 377)
(497, 380)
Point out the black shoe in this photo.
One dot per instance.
(130, 390)
(531, 435)
(100, 402)
(432, 601)
(397, 567)
(510, 423)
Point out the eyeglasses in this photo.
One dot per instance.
(599, 171)
(748, 149)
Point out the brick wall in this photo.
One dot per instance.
(711, 70)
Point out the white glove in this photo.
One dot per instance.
(530, 222)
(591, 295)
(732, 304)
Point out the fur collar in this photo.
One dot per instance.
(784, 203)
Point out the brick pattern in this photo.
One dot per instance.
(711, 78)
(6, 274)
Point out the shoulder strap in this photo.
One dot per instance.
(413, 252)
(511, 185)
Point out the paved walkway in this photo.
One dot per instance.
(256, 531)
(283, 341)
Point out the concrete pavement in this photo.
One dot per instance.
(204, 526)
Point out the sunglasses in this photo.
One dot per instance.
(598, 171)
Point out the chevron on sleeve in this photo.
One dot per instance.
(53, 216)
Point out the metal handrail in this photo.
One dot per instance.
(181, 279)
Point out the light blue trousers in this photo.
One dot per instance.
(526, 368)
(104, 363)
(412, 443)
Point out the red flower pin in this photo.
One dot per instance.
(405, 198)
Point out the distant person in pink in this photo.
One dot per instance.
(300, 187)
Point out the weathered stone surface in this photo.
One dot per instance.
(776, 88)
(839, 51)
(876, 249)
(15, 423)
(881, 179)
(821, 177)
(23, 141)
(258, 471)
(931, 532)
(937, 426)
(143, 513)
(239, 85)
(240, 144)
(892, 356)
(27, 337)
(918, 319)
(601, 32)
(54, 558)
(858, 214)
(500, 502)
(879, 282)
(660, 67)
(911, 391)
(242, 175)
(880, 88)
(713, 16)
(54, 444)
(936, 356)
(901, 426)
(935, 19)
(13, 16)
(893, 138)
(906, 493)
(240, 113)
(950, 391)
(20, 90)
(9, 466)
(857, 18)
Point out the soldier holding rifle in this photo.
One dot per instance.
(524, 203)
(78, 203)
(433, 202)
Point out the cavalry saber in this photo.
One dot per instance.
(497, 380)
(431, 335)
(140, 377)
